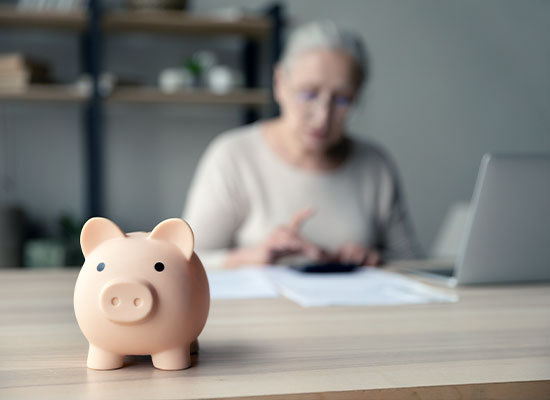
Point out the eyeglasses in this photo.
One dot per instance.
(311, 98)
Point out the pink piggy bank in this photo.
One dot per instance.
(140, 294)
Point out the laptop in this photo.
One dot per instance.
(507, 232)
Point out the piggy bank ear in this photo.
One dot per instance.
(178, 232)
(96, 231)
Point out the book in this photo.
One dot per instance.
(15, 65)
(11, 62)
(14, 83)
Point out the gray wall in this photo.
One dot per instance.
(451, 80)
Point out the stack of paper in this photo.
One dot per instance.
(243, 283)
(366, 286)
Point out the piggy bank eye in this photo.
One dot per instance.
(159, 266)
(100, 266)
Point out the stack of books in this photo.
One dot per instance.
(18, 72)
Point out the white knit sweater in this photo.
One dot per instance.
(242, 190)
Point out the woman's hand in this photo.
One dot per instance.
(358, 255)
(284, 241)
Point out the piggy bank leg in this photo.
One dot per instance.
(195, 347)
(173, 359)
(101, 359)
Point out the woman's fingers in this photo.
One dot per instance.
(287, 240)
(299, 218)
(359, 255)
(374, 258)
(313, 252)
(286, 243)
(352, 254)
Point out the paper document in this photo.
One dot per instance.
(367, 286)
(243, 283)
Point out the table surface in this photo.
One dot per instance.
(493, 343)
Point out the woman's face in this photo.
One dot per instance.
(315, 94)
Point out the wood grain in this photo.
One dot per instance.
(493, 343)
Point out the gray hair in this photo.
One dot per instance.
(326, 35)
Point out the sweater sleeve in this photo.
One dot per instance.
(215, 206)
(397, 238)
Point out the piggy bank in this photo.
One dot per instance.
(140, 294)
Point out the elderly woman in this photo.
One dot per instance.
(299, 184)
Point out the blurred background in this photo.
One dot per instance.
(107, 112)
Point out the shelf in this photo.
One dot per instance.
(45, 93)
(182, 22)
(153, 21)
(70, 20)
(252, 97)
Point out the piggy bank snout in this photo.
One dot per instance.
(125, 301)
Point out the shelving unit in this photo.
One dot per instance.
(72, 21)
(94, 24)
(67, 93)
(186, 23)
(249, 97)
(61, 93)
(165, 22)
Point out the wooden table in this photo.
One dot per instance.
(493, 343)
